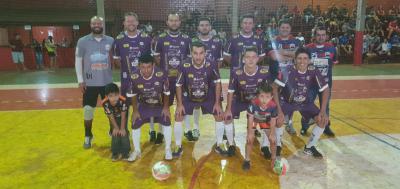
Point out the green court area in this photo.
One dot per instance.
(67, 75)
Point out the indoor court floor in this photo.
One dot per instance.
(41, 136)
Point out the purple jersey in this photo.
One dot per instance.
(150, 91)
(173, 49)
(117, 109)
(244, 86)
(262, 115)
(297, 87)
(128, 50)
(236, 46)
(214, 49)
(196, 82)
(323, 57)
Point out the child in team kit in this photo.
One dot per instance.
(262, 111)
(116, 109)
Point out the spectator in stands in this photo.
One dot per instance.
(64, 43)
(51, 51)
(17, 54)
(344, 44)
(392, 27)
(308, 14)
(37, 47)
(149, 27)
(384, 51)
(380, 12)
(301, 38)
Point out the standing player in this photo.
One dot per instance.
(171, 48)
(150, 95)
(198, 85)
(235, 48)
(214, 51)
(282, 51)
(323, 57)
(93, 70)
(128, 47)
(242, 89)
(296, 89)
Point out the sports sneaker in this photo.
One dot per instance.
(168, 154)
(152, 136)
(178, 152)
(134, 156)
(220, 149)
(278, 151)
(257, 133)
(328, 132)
(114, 157)
(125, 156)
(290, 129)
(265, 152)
(195, 134)
(160, 138)
(312, 151)
(246, 165)
(231, 150)
(189, 136)
(88, 142)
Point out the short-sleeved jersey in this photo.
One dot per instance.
(173, 50)
(244, 86)
(198, 82)
(262, 115)
(149, 91)
(236, 46)
(117, 109)
(214, 48)
(290, 44)
(323, 57)
(129, 49)
(297, 87)
(96, 59)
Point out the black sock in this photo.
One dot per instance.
(88, 131)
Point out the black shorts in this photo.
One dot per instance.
(91, 94)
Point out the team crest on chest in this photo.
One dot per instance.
(186, 65)
(166, 43)
(263, 71)
(141, 43)
(140, 86)
(126, 45)
(190, 76)
(242, 82)
(239, 72)
(182, 43)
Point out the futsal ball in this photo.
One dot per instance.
(281, 167)
(161, 171)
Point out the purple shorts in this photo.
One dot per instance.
(124, 90)
(307, 111)
(206, 106)
(146, 112)
(237, 107)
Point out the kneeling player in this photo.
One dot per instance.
(198, 85)
(296, 97)
(116, 109)
(263, 112)
(150, 98)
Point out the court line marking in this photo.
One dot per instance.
(365, 132)
(365, 125)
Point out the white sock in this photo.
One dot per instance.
(316, 133)
(264, 136)
(219, 132)
(279, 133)
(160, 129)
(229, 133)
(178, 133)
(186, 118)
(168, 136)
(196, 116)
(151, 124)
(136, 139)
